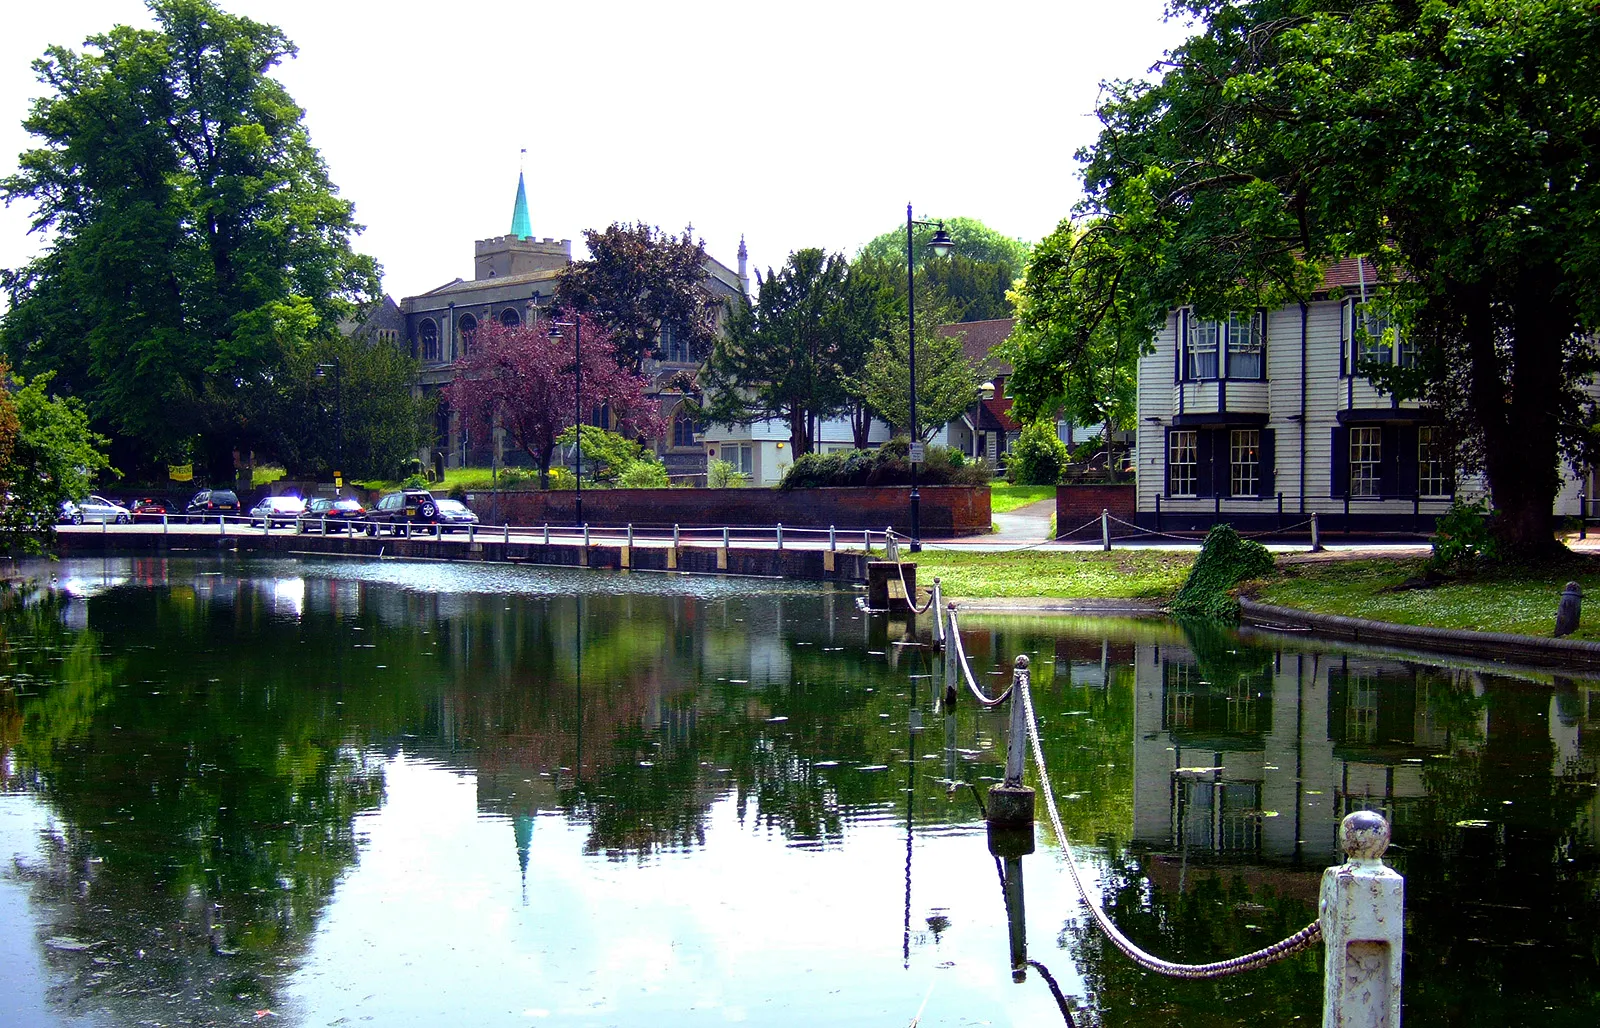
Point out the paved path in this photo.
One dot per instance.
(1029, 523)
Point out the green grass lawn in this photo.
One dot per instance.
(1121, 574)
(1005, 497)
(1521, 600)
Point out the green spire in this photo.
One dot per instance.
(521, 225)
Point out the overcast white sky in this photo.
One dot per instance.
(796, 124)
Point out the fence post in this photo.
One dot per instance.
(725, 534)
(952, 673)
(674, 535)
(780, 535)
(833, 542)
(1010, 807)
(1105, 529)
(546, 533)
(630, 535)
(891, 549)
(1362, 910)
(1316, 533)
(866, 540)
(586, 537)
(938, 617)
(163, 522)
(507, 530)
(1583, 515)
(222, 524)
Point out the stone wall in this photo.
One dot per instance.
(1077, 504)
(947, 510)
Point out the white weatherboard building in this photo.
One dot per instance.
(1261, 419)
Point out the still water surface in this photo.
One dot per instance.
(426, 794)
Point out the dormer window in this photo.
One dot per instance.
(1367, 334)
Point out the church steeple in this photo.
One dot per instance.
(521, 224)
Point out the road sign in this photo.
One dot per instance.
(916, 453)
(338, 479)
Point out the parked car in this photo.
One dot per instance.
(338, 513)
(70, 514)
(454, 516)
(98, 508)
(277, 511)
(213, 501)
(148, 507)
(406, 507)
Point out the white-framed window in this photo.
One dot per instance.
(1366, 460)
(1368, 334)
(1244, 462)
(1433, 463)
(1201, 348)
(740, 455)
(1246, 340)
(1183, 462)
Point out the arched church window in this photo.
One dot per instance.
(469, 333)
(510, 318)
(428, 338)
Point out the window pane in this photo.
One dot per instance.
(1244, 460)
(1433, 476)
(1182, 462)
(1204, 337)
(1244, 346)
(1366, 457)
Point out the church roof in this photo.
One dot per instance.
(521, 224)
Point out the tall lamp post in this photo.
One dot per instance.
(338, 421)
(576, 324)
(941, 245)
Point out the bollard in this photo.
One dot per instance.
(1570, 610)
(630, 535)
(866, 539)
(472, 532)
(724, 538)
(674, 535)
(1105, 530)
(1010, 807)
(952, 673)
(586, 537)
(222, 525)
(891, 549)
(103, 523)
(1362, 910)
(266, 526)
(163, 523)
(938, 617)
(547, 533)
(833, 542)
(780, 535)
(507, 528)
(1316, 534)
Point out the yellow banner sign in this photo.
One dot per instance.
(180, 472)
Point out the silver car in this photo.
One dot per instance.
(98, 508)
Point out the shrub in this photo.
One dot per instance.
(644, 474)
(721, 475)
(1038, 456)
(414, 482)
(1225, 560)
(514, 476)
(888, 465)
(1463, 535)
(561, 478)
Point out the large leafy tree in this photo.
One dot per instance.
(790, 355)
(48, 454)
(521, 381)
(195, 241)
(973, 282)
(638, 280)
(947, 382)
(1453, 142)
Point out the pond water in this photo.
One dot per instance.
(416, 793)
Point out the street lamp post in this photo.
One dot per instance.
(576, 324)
(941, 245)
(338, 421)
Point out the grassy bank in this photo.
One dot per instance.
(1521, 600)
(1121, 574)
(1005, 497)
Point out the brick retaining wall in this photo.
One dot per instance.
(1076, 504)
(947, 510)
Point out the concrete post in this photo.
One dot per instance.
(472, 532)
(586, 537)
(546, 534)
(833, 542)
(1010, 809)
(866, 539)
(1362, 910)
(938, 617)
(674, 535)
(222, 525)
(630, 535)
(506, 529)
(725, 534)
(1316, 534)
(1105, 530)
(952, 672)
(891, 549)
(1017, 741)
(163, 523)
(780, 535)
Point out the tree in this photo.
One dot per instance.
(947, 382)
(367, 403)
(972, 238)
(638, 280)
(196, 242)
(521, 381)
(791, 354)
(973, 281)
(1454, 143)
(1076, 345)
(48, 454)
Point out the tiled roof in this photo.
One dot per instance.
(1349, 273)
(462, 285)
(999, 408)
(978, 340)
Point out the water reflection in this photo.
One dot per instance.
(287, 786)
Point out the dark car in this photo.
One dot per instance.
(213, 501)
(454, 516)
(148, 508)
(408, 507)
(334, 514)
(277, 511)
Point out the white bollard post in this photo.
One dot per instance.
(833, 542)
(163, 523)
(674, 535)
(547, 533)
(222, 525)
(506, 529)
(472, 532)
(1105, 530)
(891, 549)
(1362, 910)
(780, 535)
(724, 538)
(586, 535)
(938, 617)
(866, 540)
(1316, 534)
(630, 535)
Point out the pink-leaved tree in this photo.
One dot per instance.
(521, 380)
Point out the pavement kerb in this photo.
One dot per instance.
(1491, 645)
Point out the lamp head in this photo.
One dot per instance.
(941, 244)
(555, 330)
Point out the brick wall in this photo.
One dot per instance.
(946, 510)
(1076, 504)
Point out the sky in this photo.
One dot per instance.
(794, 125)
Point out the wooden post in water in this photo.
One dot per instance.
(1010, 808)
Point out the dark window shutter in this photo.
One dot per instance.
(1346, 334)
(1339, 462)
(1261, 323)
(1204, 485)
(1179, 343)
(1269, 457)
(1406, 452)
